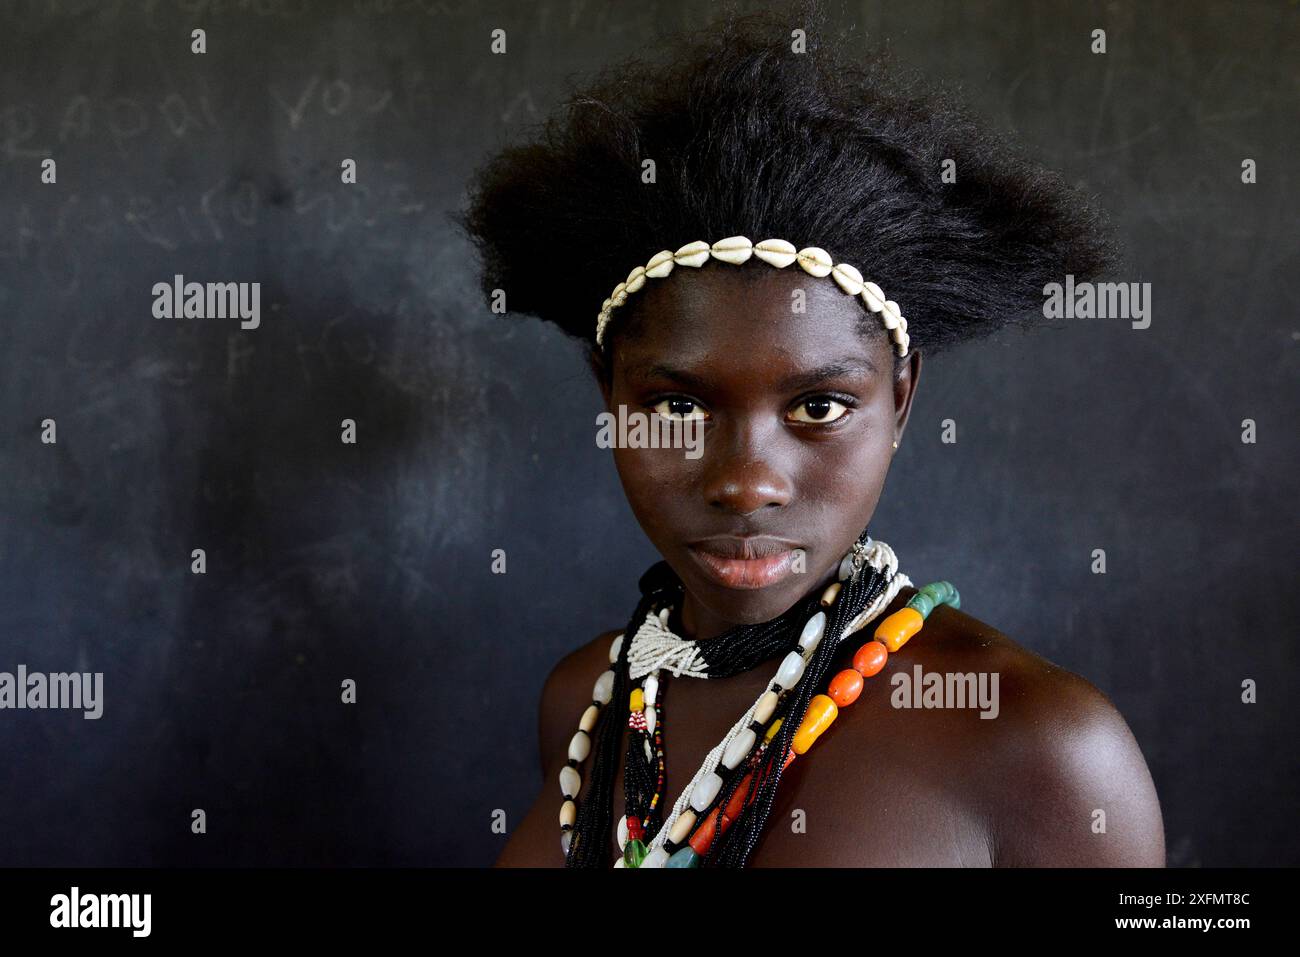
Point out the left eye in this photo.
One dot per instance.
(819, 410)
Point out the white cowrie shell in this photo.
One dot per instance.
(776, 252)
(905, 343)
(692, 254)
(660, 265)
(873, 296)
(816, 261)
(889, 319)
(847, 278)
(604, 307)
(891, 307)
(733, 249)
(618, 298)
(902, 324)
(636, 279)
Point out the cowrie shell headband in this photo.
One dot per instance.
(776, 252)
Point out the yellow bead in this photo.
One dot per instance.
(638, 699)
(766, 706)
(821, 712)
(830, 594)
(771, 732)
(898, 627)
(589, 718)
(568, 813)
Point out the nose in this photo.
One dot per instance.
(743, 481)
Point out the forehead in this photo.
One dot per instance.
(752, 317)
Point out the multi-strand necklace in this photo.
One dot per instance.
(738, 777)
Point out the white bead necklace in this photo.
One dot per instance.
(655, 648)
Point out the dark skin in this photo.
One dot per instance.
(884, 786)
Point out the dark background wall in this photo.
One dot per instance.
(372, 562)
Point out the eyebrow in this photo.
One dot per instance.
(800, 380)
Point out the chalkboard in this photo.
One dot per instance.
(326, 561)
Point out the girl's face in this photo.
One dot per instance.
(799, 411)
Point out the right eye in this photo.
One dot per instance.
(680, 408)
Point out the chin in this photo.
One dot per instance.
(749, 606)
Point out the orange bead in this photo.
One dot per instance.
(821, 712)
(737, 801)
(845, 687)
(870, 658)
(789, 759)
(898, 627)
(703, 836)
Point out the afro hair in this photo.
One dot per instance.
(820, 147)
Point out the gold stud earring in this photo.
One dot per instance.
(895, 443)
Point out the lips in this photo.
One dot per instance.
(753, 562)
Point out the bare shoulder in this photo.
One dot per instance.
(568, 687)
(1063, 780)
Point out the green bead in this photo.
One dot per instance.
(684, 857)
(922, 602)
(634, 853)
(939, 591)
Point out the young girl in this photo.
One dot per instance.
(758, 239)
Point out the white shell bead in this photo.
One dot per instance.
(776, 252)
(565, 840)
(656, 858)
(891, 308)
(651, 691)
(816, 261)
(651, 719)
(568, 813)
(846, 568)
(692, 254)
(604, 688)
(682, 826)
(615, 647)
(740, 746)
(733, 249)
(620, 837)
(873, 296)
(812, 632)
(791, 670)
(847, 278)
(589, 718)
(889, 319)
(636, 279)
(570, 781)
(579, 746)
(649, 755)
(766, 706)
(660, 264)
(706, 791)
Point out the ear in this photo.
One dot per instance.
(600, 370)
(905, 389)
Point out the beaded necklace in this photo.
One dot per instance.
(731, 780)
